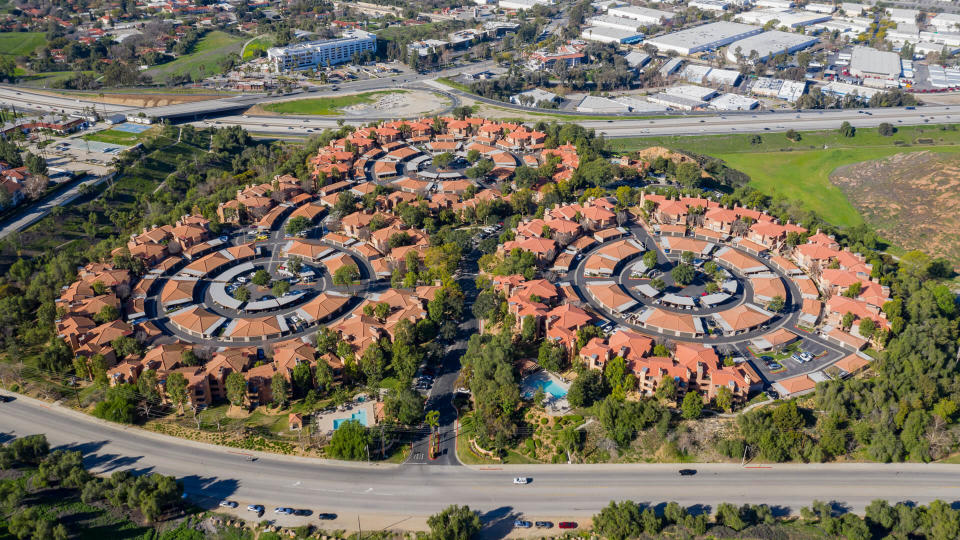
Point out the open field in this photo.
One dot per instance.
(20, 43)
(326, 106)
(260, 43)
(801, 170)
(49, 78)
(912, 199)
(204, 60)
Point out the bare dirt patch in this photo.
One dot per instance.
(912, 199)
(133, 100)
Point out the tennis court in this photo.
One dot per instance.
(131, 128)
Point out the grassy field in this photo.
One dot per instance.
(325, 106)
(204, 60)
(20, 43)
(801, 170)
(260, 43)
(113, 136)
(48, 78)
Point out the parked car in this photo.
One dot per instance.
(521, 480)
(228, 504)
(521, 524)
(258, 508)
(544, 524)
(567, 525)
(283, 510)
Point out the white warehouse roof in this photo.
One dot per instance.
(642, 14)
(704, 37)
(871, 62)
(769, 44)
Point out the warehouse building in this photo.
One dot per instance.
(326, 52)
(605, 34)
(642, 15)
(733, 102)
(870, 63)
(790, 19)
(704, 38)
(611, 21)
(769, 44)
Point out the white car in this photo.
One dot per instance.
(521, 480)
(228, 504)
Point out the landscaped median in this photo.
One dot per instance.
(328, 106)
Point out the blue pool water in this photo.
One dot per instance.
(547, 385)
(359, 416)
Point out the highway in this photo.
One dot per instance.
(210, 473)
(758, 122)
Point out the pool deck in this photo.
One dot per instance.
(325, 420)
(553, 406)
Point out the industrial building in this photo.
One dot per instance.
(522, 4)
(611, 21)
(322, 53)
(704, 38)
(769, 44)
(870, 63)
(733, 102)
(605, 34)
(698, 74)
(643, 15)
(789, 19)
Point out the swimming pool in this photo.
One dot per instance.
(546, 384)
(359, 416)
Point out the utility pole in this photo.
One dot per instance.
(743, 460)
(359, 529)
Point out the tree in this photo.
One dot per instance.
(619, 521)
(688, 174)
(847, 130)
(346, 275)
(261, 278)
(454, 523)
(683, 274)
(443, 160)
(349, 441)
(302, 379)
(107, 314)
(658, 284)
(692, 405)
(777, 303)
(724, 399)
(176, 387)
(295, 264)
(297, 225)
(241, 293)
(118, 405)
(793, 135)
(885, 129)
(148, 390)
(587, 388)
(279, 388)
(551, 356)
(404, 405)
(236, 388)
(323, 375)
(280, 288)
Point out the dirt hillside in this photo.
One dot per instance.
(912, 199)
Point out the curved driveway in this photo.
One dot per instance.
(210, 473)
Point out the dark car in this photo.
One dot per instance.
(326, 516)
(6, 399)
(567, 525)
(544, 524)
(688, 472)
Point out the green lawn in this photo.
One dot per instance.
(204, 60)
(261, 43)
(803, 172)
(113, 136)
(326, 106)
(20, 43)
(48, 78)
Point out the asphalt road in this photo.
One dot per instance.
(210, 473)
(38, 210)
